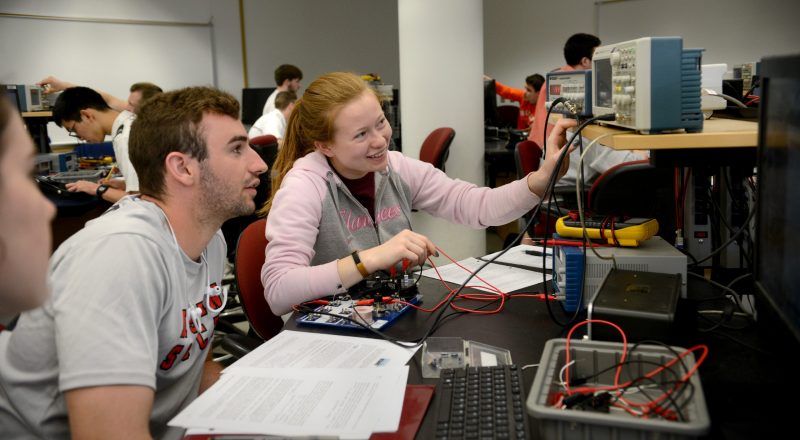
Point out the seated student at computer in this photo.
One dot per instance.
(274, 122)
(122, 345)
(86, 116)
(25, 236)
(525, 97)
(341, 202)
(139, 92)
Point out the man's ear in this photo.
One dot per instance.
(181, 167)
(87, 114)
(324, 148)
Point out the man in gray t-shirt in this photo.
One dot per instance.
(122, 345)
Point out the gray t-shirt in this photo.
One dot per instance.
(117, 316)
(597, 161)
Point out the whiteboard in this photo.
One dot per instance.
(106, 55)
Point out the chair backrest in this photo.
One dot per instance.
(250, 256)
(507, 116)
(637, 189)
(436, 147)
(527, 156)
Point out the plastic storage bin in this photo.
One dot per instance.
(599, 357)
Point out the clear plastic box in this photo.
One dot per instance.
(454, 352)
(599, 357)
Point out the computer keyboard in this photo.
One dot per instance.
(481, 402)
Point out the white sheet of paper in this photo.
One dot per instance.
(517, 255)
(505, 278)
(348, 403)
(294, 349)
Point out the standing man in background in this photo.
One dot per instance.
(287, 77)
(578, 53)
(526, 98)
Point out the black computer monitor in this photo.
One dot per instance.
(777, 244)
(490, 117)
(253, 100)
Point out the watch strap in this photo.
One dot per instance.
(359, 265)
(101, 189)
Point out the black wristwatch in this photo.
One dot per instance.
(101, 190)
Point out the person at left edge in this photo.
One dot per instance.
(122, 345)
(25, 235)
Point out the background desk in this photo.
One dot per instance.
(741, 385)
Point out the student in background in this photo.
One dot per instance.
(86, 116)
(125, 341)
(526, 98)
(274, 122)
(578, 53)
(287, 78)
(25, 236)
(139, 92)
(341, 201)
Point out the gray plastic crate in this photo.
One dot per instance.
(74, 176)
(592, 357)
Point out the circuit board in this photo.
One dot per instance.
(334, 313)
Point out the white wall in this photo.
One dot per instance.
(107, 55)
(321, 36)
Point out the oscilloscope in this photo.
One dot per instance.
(651, 84)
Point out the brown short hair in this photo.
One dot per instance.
(171, 122)
(147, 89)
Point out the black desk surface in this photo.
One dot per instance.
(742, 386)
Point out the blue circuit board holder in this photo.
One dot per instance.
(336, 311)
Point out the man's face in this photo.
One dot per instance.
(87, 129)
(229, 174)
(294, 85)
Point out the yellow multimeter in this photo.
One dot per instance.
(617, 231)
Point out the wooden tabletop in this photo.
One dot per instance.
(717, 133)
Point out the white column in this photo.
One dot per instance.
(441, 68)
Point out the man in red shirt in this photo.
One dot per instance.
(578, 52)
(526, 98)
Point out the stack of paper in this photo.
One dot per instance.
(516, 269)
(306, 384)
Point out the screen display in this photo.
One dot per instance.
(555, 89)
(35, 97)
(778, 221)
(603, 86)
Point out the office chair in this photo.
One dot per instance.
(250, 256)
(436, 147)
(636, 189)
(507, 116)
